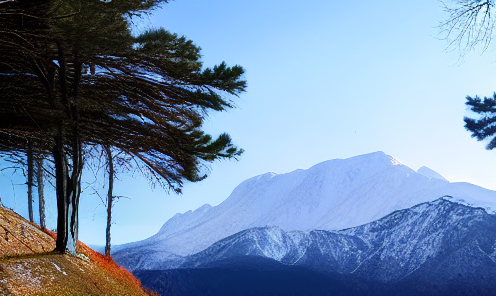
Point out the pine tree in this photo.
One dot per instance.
(145, 95)
(485, 126)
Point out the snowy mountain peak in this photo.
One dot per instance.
(431, 174)
(266, 176)
(203, 208)
(394, 161)
(370, 163)
(488, 205)
(332, 195)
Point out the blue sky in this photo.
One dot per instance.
(326, 79)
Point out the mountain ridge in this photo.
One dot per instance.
(434, 248)
(275, 237)
(430, 173)
(331, 195)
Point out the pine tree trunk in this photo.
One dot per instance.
(77, 163)
(109, 198)
(68, 186)
(61, 191)
(41, 187)
(68, 192)
(1, 204)
(30, 180)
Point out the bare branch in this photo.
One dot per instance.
(470, 24)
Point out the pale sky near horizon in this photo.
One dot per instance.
(326, 80)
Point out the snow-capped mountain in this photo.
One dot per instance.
(434, 248)
(394, 246)
(430, 173)
(331, 195)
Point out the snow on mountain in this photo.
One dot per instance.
(434, 248)
(386, 250)
(180, 222)
(331, 195)
(289, 248)
(430, 173)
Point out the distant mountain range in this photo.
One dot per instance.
(435, 248)
(331, 195)
(360, 225)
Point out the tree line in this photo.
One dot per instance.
(74, 78)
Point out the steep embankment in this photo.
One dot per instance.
(28, 265)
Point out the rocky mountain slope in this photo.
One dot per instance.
(435, 248)
(28, 265)
(331, 195)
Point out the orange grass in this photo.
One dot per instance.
(29, 265)
(108, 264)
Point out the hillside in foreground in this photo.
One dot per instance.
(29, 266)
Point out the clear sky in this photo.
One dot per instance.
(326, 79)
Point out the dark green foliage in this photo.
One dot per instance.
(485, 126)
(72, 74)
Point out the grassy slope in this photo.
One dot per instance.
(28, 265)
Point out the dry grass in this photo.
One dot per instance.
(29, 266)
(20, 237)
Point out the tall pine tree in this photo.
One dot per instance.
(81, 78)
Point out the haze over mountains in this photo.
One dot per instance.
(331, 195)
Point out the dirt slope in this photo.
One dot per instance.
(28, 265)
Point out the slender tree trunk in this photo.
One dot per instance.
(1, 204)
(68, 193)
(61, 191)
(109, 197)
(68, 185)
(77, 168)
(30, 180)
(41, 187)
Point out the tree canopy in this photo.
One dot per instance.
(72, 74)
(485, 126)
